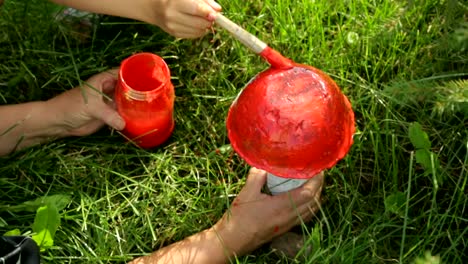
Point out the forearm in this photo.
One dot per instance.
(27, 124)
(203, 247)
(134, 9)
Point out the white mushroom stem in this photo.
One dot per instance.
(278, 185)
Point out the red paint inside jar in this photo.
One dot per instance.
(145, 99)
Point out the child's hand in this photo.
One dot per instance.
(256, 218)
(82, 111)
(183, 18)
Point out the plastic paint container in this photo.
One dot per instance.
(145, 99)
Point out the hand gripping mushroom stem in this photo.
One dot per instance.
(275, 184)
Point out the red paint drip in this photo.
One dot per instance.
(276, 229)
(275, 59)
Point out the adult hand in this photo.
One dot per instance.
(183, 18)
(256, 218)
(83, 110)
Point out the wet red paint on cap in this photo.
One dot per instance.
(292, 122)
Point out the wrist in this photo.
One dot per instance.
(148, 11)
(203, 247)
(234, 242)
(223, 250)
(27, 124)
(135, 9)
(48, 122)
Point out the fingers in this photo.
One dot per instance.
(105, 82)
(110, 116)
(108, 86)
(306, 216)
(187, 34)
(301, 204)
(190, 35)
(201, 8)
(107, 112)
(93, 125)
(194, 23)
(306, 211)
(314, 182)
(255, 180)
(100, 78)
(102, 85)
(214, 5)
(114, 72)
(189, 27)
(187, 18)
(307, 191)
(295, 214)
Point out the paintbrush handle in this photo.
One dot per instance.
(249, 40)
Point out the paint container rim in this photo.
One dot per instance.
(144, 95)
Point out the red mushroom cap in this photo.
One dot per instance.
(293, 123)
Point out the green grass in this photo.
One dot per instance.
(397, 61)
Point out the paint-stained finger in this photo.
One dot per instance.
(255, 180)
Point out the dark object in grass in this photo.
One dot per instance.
(18, 249)
(290, 244)
(79, 23)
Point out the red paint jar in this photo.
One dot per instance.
(145, 99)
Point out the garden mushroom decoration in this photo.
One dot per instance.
(290, 120)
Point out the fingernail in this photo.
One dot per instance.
(109, 84)
(254, 169)
(215, 5)
(258, 171)
(119, 123)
